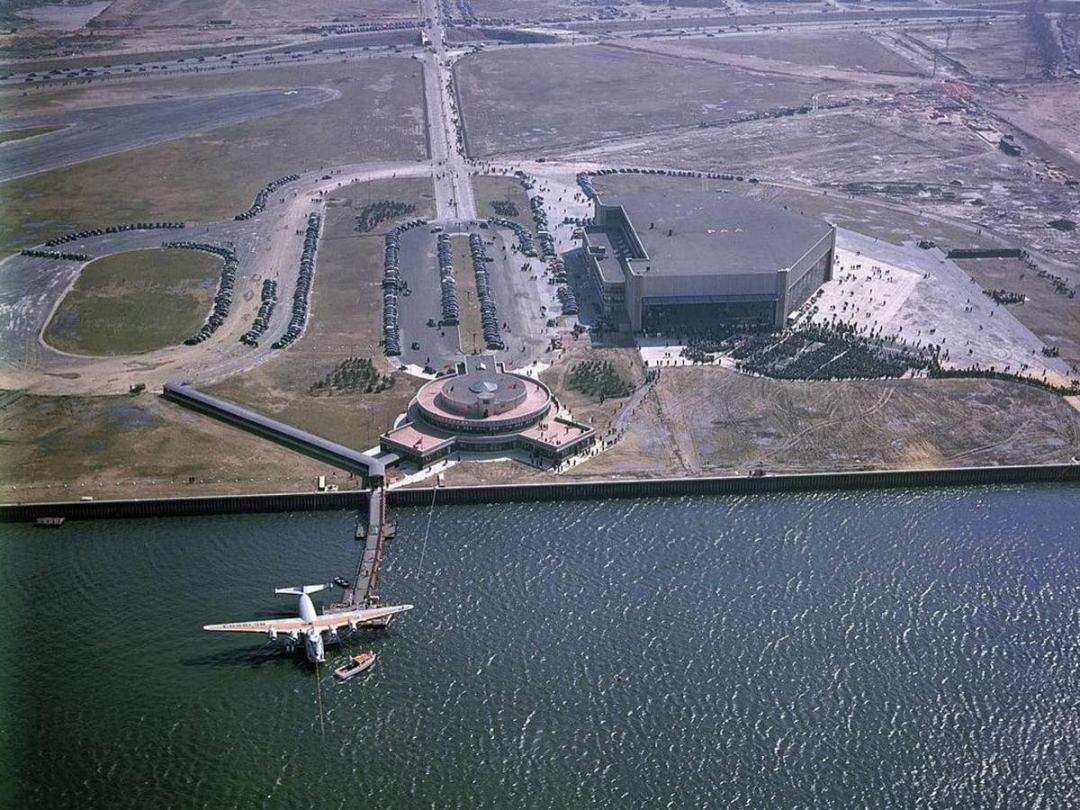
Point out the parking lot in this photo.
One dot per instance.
(517, 296)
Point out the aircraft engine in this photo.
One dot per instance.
(271, 634)
(352, 626)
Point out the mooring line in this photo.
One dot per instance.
(427, 531)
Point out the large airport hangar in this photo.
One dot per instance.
(703, 258)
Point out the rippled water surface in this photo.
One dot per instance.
(900, 649)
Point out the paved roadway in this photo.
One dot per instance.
(419, 267)
(12, 75)
(453, 187)
(94, 133)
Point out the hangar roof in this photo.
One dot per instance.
(715, 232)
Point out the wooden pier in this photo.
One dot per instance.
(362, 592)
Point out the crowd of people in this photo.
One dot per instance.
(447, 284)
(489, 316)
(130, 226)
(262, 318)
(263, 196)
(524, 237)
(505, 208)
(223, 299)
(1005, 297)
(700, 344)
(55, 254)
(993, 373)
(820, 352)
(302, 292)
(391, 285)
(374, 214)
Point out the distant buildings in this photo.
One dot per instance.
(673, 260)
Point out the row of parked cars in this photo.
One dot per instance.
(668, 173)
(446, 282)
(55, 254)
(543, 233)
(568, 300)
(489, 316)
(565, 293)
(130, 226)
(262, 318)
(223, 299)
(585, 182)
(524, 238)
(391, 285)
(303, 284)
(263, 196)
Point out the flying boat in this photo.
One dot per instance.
(313, 629)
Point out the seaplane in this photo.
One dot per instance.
(309, 625)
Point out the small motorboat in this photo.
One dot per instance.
(357, 664)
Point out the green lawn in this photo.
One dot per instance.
(470, 325)
(135, 302)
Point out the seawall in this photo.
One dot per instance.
(560, 491)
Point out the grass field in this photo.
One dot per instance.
(60, 448)
(346, 321)
(470, 326)
(215, 175)
(489, 189)
(135, 302)
(25, 132)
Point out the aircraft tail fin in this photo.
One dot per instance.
(300, 589)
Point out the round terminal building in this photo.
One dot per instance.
(484, 408)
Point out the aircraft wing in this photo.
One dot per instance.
(328, 621)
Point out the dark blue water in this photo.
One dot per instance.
(901, 649)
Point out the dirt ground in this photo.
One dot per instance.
(1001, 51)
(346, 321)
(712, 420)
(61, 448)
